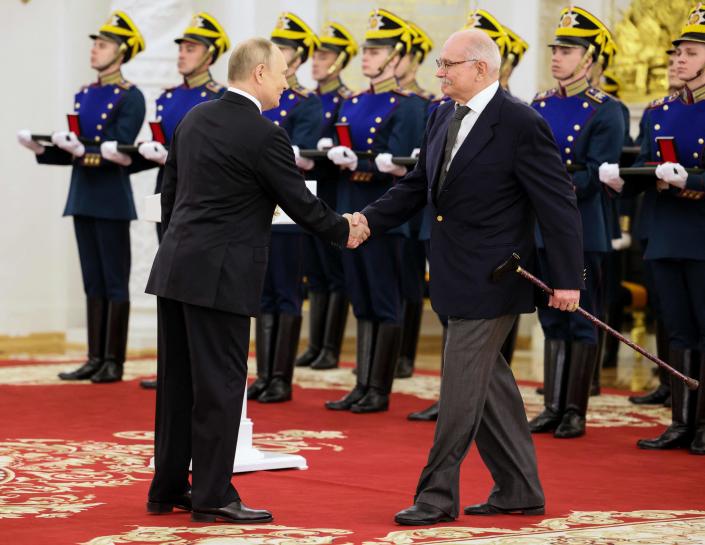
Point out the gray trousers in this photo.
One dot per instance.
(480, 400)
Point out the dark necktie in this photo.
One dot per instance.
(453, 129)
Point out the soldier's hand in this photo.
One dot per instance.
(304, 163)
(68, 141)
(673, 174)
(110, 152)
(153, 151)
(565, 300)
(384, 164)
(343, 156)
(324, 144)
(609, 175)
(24, 137)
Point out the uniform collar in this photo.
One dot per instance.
(198, 79)
(111, 79)
(574, 88)
(329, 87)
(691, 97)
(292, 81)
(415, 88)
(384, 86)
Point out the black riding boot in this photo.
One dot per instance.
(115, 343)
(583, 358)
(555, 370)
(279, 388)
(376, 399)
(317, 305)
(678, 434)
(662, 393)
(334, 331)
(366, 333)
(96, 319)
(430, 414)
(510, 343)
(265, 335)
(411, 327)
(698, 444)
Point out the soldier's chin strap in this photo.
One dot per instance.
(337, 65)
(696, 76)
(395, 52)
(208, 55)
(587, 57)
(297, 54)
(120, 53)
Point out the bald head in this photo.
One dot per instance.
(470, 62)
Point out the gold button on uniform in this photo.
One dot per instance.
(77, 105)
(160, 107)
(701, 141)
(204, 94)
(99, 127)
(568, 162)
(542, 104)
(392, 100)
(116, 91)
(586, 105)
(168, 95)
(110, 106)
(369, 140)
(97, 138)
(336, 100)
(570, 138)
(354, 100)
(657, 127)
(695, 155)
(665, 107)
(344, 119)
(328, 114)
(104, 116)
(567, 150)
(276, 122)
(282, 113)
(439, 218)
(378, 119)
(576, 127)
(373, 130)
(291, 96)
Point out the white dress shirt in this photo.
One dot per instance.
(246, 95)
(477, 104)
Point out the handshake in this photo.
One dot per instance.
(359, 230)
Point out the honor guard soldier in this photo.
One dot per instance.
(100, 195)
(279, 324)
(662, 394)
(413, 270)
(202, 43)
(515, 52)
(388, 122)
(676, 233)
(323, 264)
(588, 127)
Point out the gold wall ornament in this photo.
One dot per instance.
(643, 35)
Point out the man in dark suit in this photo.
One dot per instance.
(488, 167)
(227, 169)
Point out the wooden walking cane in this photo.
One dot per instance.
(512, 264)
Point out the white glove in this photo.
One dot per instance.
(623, 242)
(343, 156)
(609, 175)
(324, 143)
(384, 164)
(415, 153)
(110, 152)
(304, 163)
(68, 141)
(153, 151)
(672, 173)
(24, 137)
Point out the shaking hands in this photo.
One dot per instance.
(359, 230)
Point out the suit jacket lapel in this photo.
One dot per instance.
(436, 149)
(480, 134)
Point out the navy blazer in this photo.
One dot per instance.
(507, 172)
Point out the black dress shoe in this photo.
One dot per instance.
(86, 371)
(111, 371)
(347, 401)
(572, 425)
(422, 514)
(150, 384)
(487, 509)
(277, 392)
(429, 414)
(256, 388)
(675, 436)
(374, 401)
(545, 422)
(183, 502)
(235, 512)
(657, 397)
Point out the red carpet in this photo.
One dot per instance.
(73, 457)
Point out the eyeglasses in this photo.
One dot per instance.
(447, 65)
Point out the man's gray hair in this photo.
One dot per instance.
(247, 55)
(483, 48)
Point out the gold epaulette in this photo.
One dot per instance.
(344, 92)
(598, 96)
(544, 95)
(663, 100)
(125, 85)
(302, 91)
(214, 86)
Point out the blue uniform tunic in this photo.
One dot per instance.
(100, 195)
(299, 113)
(588, 126)
(382, 119)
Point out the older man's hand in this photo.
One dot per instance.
(359, 231)
(565, 300)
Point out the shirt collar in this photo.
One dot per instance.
(246, 95)
(480, 101)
